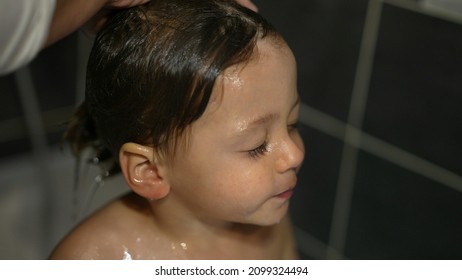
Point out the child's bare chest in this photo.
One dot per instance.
(163, 248)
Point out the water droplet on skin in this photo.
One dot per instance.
(234, 79)
(174, 250)
(184, 246)
(127, 256)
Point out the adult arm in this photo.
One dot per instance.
(70, 15)
(27, 26)
(24, 27)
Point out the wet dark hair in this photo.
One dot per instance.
(152, 69)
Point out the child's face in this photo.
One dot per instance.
(244, 152)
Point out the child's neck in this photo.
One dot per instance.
(216, 239)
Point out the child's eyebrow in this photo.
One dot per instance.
(246, 126)
(267, 118)
(264, 119)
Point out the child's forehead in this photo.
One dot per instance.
(236, 77)
(270, 56)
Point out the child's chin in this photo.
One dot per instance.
(271, 221)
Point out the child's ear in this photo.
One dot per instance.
(142, 171)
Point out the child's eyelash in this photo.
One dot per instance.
(258, 151)
(293, 126)
(263, 148)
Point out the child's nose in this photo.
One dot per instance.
(292, 154)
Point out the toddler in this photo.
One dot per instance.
(196, 101)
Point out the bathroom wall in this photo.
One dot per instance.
(381, 87)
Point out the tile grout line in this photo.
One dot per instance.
(308, 244)
(379, 148)
(345, 183)
(426, 10)
(410, 162)
(335, 128)
(355, 139)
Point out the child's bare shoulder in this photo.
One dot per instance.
(104, 234)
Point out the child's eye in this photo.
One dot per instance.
(293, 127)
(259, 151)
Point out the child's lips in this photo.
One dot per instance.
(289, 189)
(285, 194)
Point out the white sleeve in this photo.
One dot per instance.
(24, 27)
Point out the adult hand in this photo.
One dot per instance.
(131, 3)
(115, 4)
(70, 15)
(248, 4)
(97, 21)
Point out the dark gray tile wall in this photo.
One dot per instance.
(398, 214)
(416, 86)
(406, 200)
